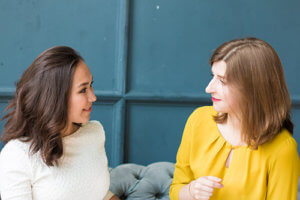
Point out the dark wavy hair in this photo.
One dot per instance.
(38, 111)
(255, 72)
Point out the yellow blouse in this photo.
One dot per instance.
(270, 172)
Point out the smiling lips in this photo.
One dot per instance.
(88, 110)
(214, 99)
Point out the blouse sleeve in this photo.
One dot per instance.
(15, 173)
(182, 174)
(284, 172)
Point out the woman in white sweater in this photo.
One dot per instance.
(52, 151)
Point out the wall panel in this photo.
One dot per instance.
(30, 27)
(149, 58)
(153, 131)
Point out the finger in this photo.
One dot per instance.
(205, 194)
(203, 187)
(201, 191)
(199, 197)
(211, 184)
(194, 191)
(204, 197)
(214, 178)
(206, 188)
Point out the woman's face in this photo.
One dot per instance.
(82, 95)
(222, 97)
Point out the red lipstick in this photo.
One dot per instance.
(214, 99)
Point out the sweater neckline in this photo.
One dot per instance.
(76, 132)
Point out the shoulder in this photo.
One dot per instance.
(283, 155)
(202, 114)
(282, 140)
(199, 123)
(16, 170)
(94, 128)
(94, 124)
(14, 154)
(204, 110)
(282, 146)
(15, 146)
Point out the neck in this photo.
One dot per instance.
(69, 129)
(233, 121)
(233, 124)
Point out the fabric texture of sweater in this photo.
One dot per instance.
(269, 172)
(82, 172)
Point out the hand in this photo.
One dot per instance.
(203, 187)
(114, 198)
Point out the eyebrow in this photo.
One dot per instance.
(223, 77)
(85, 83)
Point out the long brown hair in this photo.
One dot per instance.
(38, 111)
(254, 71)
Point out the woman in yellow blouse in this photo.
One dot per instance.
(242, 147)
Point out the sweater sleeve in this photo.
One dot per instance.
(108, 196)
(15, 173)
(183, 174)
(284, 172)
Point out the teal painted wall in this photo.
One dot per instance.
(149, 58)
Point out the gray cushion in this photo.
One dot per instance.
(131, 181)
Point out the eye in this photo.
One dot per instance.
(222, 81)
(83, 90)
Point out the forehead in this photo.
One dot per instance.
(82, 73)
(219, 68)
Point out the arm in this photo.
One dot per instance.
(15, 173)
(114, 198)
(182, 174)
(110, 196)
(202, 188)
(184, 185)
(284, 172)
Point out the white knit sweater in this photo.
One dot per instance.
(82, 173)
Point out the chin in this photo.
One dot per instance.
(218, 109)
(83, 121)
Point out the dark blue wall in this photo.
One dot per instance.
(149, 58)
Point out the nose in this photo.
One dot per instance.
(210, 87)
(92, 96)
